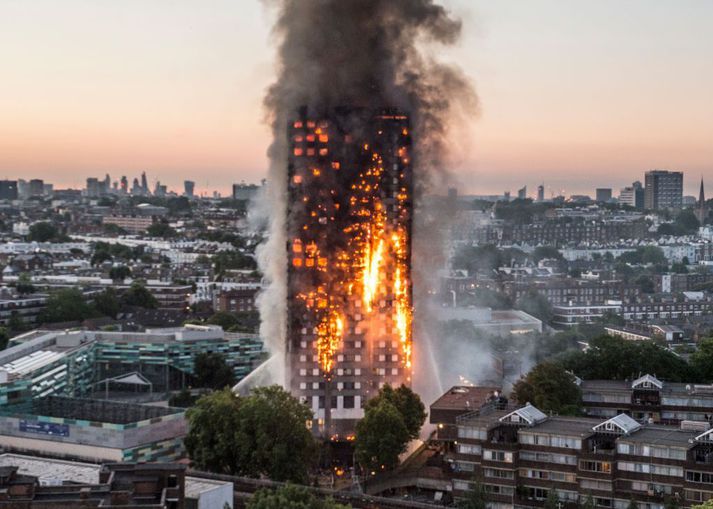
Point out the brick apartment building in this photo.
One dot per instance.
(519, 455)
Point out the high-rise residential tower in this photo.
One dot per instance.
(663, 189)
(349, 249)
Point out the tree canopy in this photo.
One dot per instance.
(211, 371)
(535, 304)
(549, 387)
(291, 497)
(66, 305)
(45, 232)
(263, 434)
(702, 359)
(107, 303)
(381, 436)
(609, 358)
(406, 402)
(138, 295)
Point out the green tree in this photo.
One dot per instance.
(45, 232)
(477, 498)
(107, 303)
(138, 295)
(542, 252)
(119, 273)
(535, 304)
(550, 388)
(609, 358)
(223, 318)
(645, 284)
(183, 399)
(381, 436)
(702, 359)
(291, 497)
(589, 502)
(4, 338)
(211, 371)
(408, 404)
(24, 284)
(162, 230)
(16, 323)
(553, 500)
(263, 434)
(705, 505)
(100, 256)
(66, 305)
(634, 505)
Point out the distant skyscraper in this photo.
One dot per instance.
(136, 189)
(541, 192)
(37, 187)
(244, 191)
(144, 184)
(8, 190)
(702, 210)
(188, 188)
(627, 196)
(522, 193)
(664, 190)
(603, 194)
(124, 185)
(94, 187)
(639, 194)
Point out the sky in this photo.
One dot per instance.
(574, 95)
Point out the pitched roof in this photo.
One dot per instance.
(620, 424)
(647, 381)
(528, 414)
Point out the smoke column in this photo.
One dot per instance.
(365, 54)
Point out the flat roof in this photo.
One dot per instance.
(662, 435)
(465, 397)
(87, 473)
(45, 468)
(94, 410)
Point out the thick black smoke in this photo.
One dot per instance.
(359, 54)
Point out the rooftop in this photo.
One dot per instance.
(465, 397)
(92, 410)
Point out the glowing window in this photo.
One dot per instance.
(297, 246)
(298, 152)
(311, 124)
(297, 262)
(299, 138)
(323, 151)
(310, 152)
(297, 179)
(310, 137)
(297, 125)
(336, 165)
(323, 138)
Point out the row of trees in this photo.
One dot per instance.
(264, 434)
(551, 386)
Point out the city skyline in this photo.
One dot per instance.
(177, 92)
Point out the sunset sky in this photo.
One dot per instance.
(576, 94)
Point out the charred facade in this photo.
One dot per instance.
(349, 287)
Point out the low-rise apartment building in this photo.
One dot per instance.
(519, 456)
(648, 399)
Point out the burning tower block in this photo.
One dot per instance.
(349, 250)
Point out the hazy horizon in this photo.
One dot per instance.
(574, 95)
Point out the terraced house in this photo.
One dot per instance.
(520, 455)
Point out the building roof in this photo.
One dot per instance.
(528, 414)
(465, 398)
(566, 426)
(654, 435)
(620, 424)
(646, 381)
